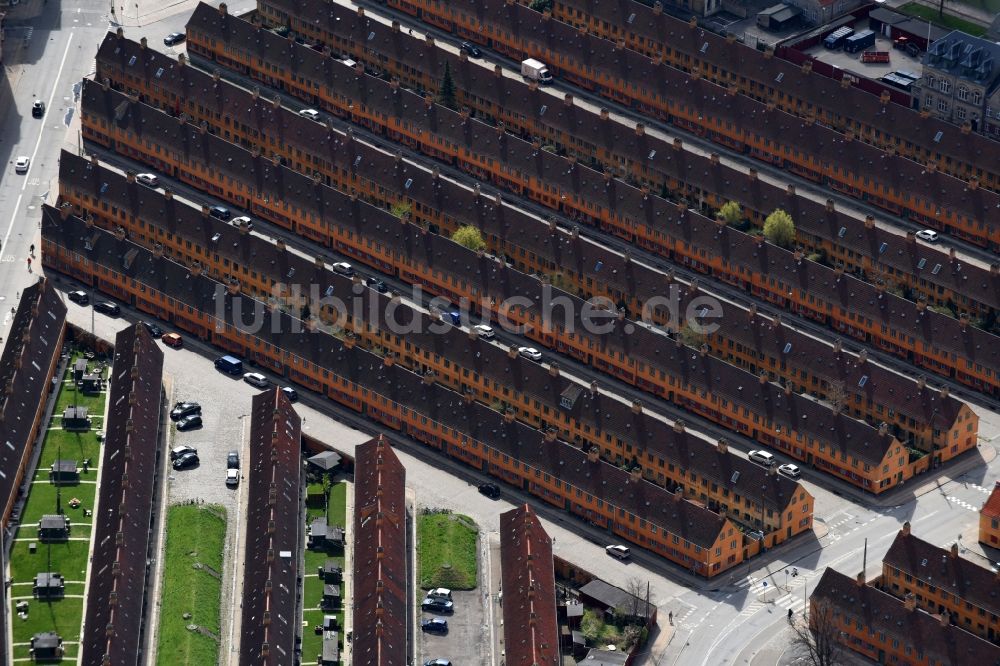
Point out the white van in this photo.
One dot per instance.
(440, 593)
(256, 379)
(762, 457)
(621, 552)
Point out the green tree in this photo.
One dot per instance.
(731, 213)
(401, 209)
(469, 237)
(541, 5)
(446, 95)
(779, 228)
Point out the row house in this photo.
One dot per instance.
(382, 590)
(271, 574)
(922, 418)
(688, 100)
(623, 434)
(893, 324)
(889, 630)
(131, 471)
(869, 457)
(524, 109)
(28, 364)
(941, 582)
(759, 75)
(528, 581)
(946, 424)
(554, 471)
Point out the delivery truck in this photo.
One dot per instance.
(535, 70)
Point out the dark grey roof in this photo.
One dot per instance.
(970, 58)
(326, 460)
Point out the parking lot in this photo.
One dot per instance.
(467, 640)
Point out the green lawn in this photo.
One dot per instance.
(446, 551)
(71, 446)
(312, 592)
(196, 536)
(948, 21)
(69, 558)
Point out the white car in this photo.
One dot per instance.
(232, 477)
(790, 470)
(311, 114)
(243, 221)
(256, 379)
(928, 235)
(621, 552)
(440, 593)
(343, 268)
(147, 179)
(762, 457)
(530, 353)
(484, 331)
(22, 164)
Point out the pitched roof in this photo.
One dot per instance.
(945, 569)
(31, 350)
(381, 592)
(969, 58)
(992, 506)
(881, 612)
(616, 597)
(116, 596)
(655, 441)
(516, 101)
(530, 627)
(269, 624)
(671, 513)
(895, 390)
(743, 61)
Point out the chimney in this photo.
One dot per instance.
(635, 474)
(428, 377)
(605, 114)
(883, 429)
(722, 446)
(142, 43)
(790, 190)
(594, 389)
(861, 579)
(807, 66)
(954, 551)
(752, 173)
(550, 435)
(223, 9)
(763, 378)
(944, 619)
(593, 454)
(640, 129)
(714, 158)
(553, 369)
(567, 100)
(637, 406)
(512, 352)
(678, 426)
(388, 360)
(910, 602)
(657, 8)
(905, 530)
(508, 415)
(678, 144)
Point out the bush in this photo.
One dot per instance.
(469, 236)
(731, 213)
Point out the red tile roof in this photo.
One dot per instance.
(269, 622)
(530, 629)
(381, 598)
(116, 597)
(992, 506)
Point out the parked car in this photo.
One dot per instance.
(108, 308)
(178, 451)
(182, 409)
(472, 50)
(243, 221)
(230, 365)
(256, 379)
(439, 593)
(437, 605)
(22, 164)
(530, 353)
(233, 460)
(79, 297)
(343, 268)
(153, 329)
(452, 317)
(220, 212)
(435, 625)
(437, 662)
(762, 457)
(491, 490)
(173, 340)
(174, 38)
(232, 477)
(148, 179)
(619, 551)
(186, 460)
(484, 331)
(189, 422)
(378, 285)
(37, 109)
(290, 393)
(790, 470)
(311, 114)
(928, 235)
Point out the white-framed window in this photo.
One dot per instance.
(942, 106)
(960, 112)
(977, 97)
(963, 93)
(944, 86)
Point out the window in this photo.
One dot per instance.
(942, 106)
(945, 86)
(960, 113)
(963, 93)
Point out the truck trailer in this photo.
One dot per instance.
(536, 70)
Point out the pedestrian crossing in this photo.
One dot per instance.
(962, 503)
(764, 593)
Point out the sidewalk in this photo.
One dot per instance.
(960, 9)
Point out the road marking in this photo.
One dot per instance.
(38, 142)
